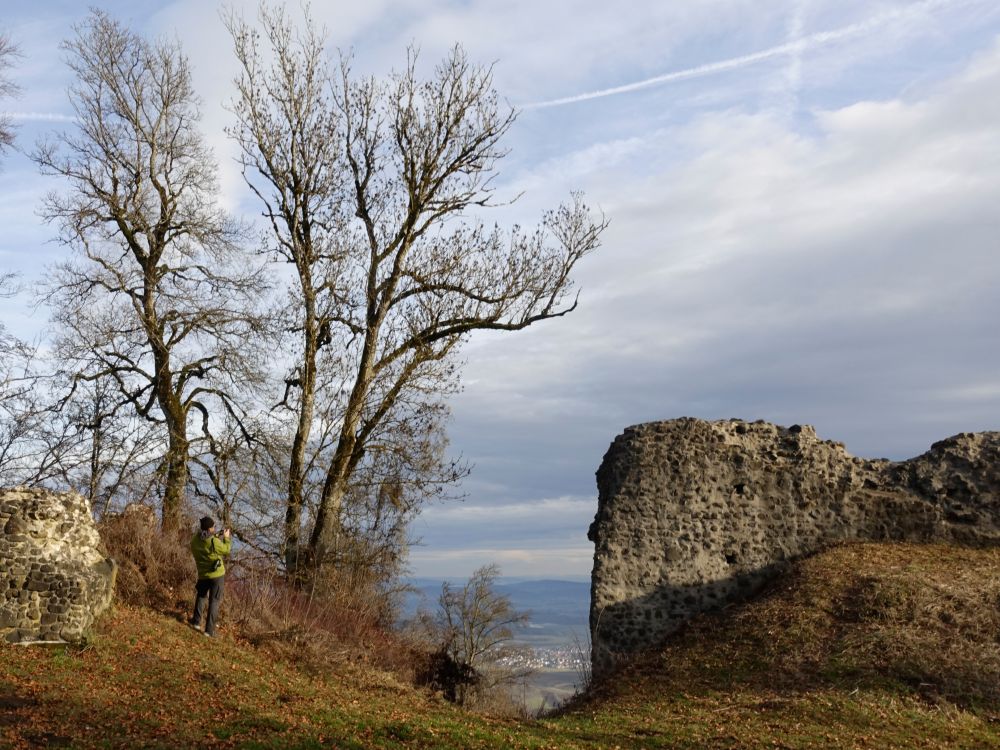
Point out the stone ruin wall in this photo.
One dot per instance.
(54, 581)
(694, 515)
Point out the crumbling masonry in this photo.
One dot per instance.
(694, 515)
(54, 581)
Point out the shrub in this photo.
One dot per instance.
(154, 569)
(346, 616)
(442, 673)
(343, 618)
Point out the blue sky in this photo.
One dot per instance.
(804, 204)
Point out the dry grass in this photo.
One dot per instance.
(154, 570)
(347, 619)
(868, 646)
(932, 622)
(921, 619)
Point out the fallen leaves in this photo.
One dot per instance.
(149, 681)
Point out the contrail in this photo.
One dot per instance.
(800, 45)
(38, 117)
(793, 75)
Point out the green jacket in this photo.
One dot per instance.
(208, 554)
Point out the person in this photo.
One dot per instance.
(208, 550)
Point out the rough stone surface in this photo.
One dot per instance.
(694, 515)
(54, 581)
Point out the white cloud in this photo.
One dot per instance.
(461, 562)
(811, 238)
(844, 276)
(39, 117)
(978, 392)
(557, 507)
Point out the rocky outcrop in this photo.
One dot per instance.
(694, 515)
(54, 581)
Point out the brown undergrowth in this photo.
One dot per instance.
(155, 569)
(862, 646)
(347, 616)
(908, 618)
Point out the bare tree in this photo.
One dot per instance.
(30, 449)
(21, 406)
(13, 353)
(291, 157)
(8, 53)
(116, 454)
(369, 187)
(158, 298)
(241, 481)
(477, 625)
(406, 466)
(86, 441)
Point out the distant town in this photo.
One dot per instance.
(568, 658)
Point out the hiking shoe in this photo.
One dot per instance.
(194, 626)
(209, 635)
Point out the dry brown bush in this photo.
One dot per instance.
(346, 618)
(154, 569)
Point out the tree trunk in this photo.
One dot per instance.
(296, 469)
(175, 415)
(177, 475)
(327, 526)
(94, 483)
(323, 540)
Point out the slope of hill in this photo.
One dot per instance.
(864, 645)
(861, 646)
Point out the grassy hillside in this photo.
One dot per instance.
(863, 646)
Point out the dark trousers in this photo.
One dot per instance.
(210, 590)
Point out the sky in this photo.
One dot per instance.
(803, 197)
